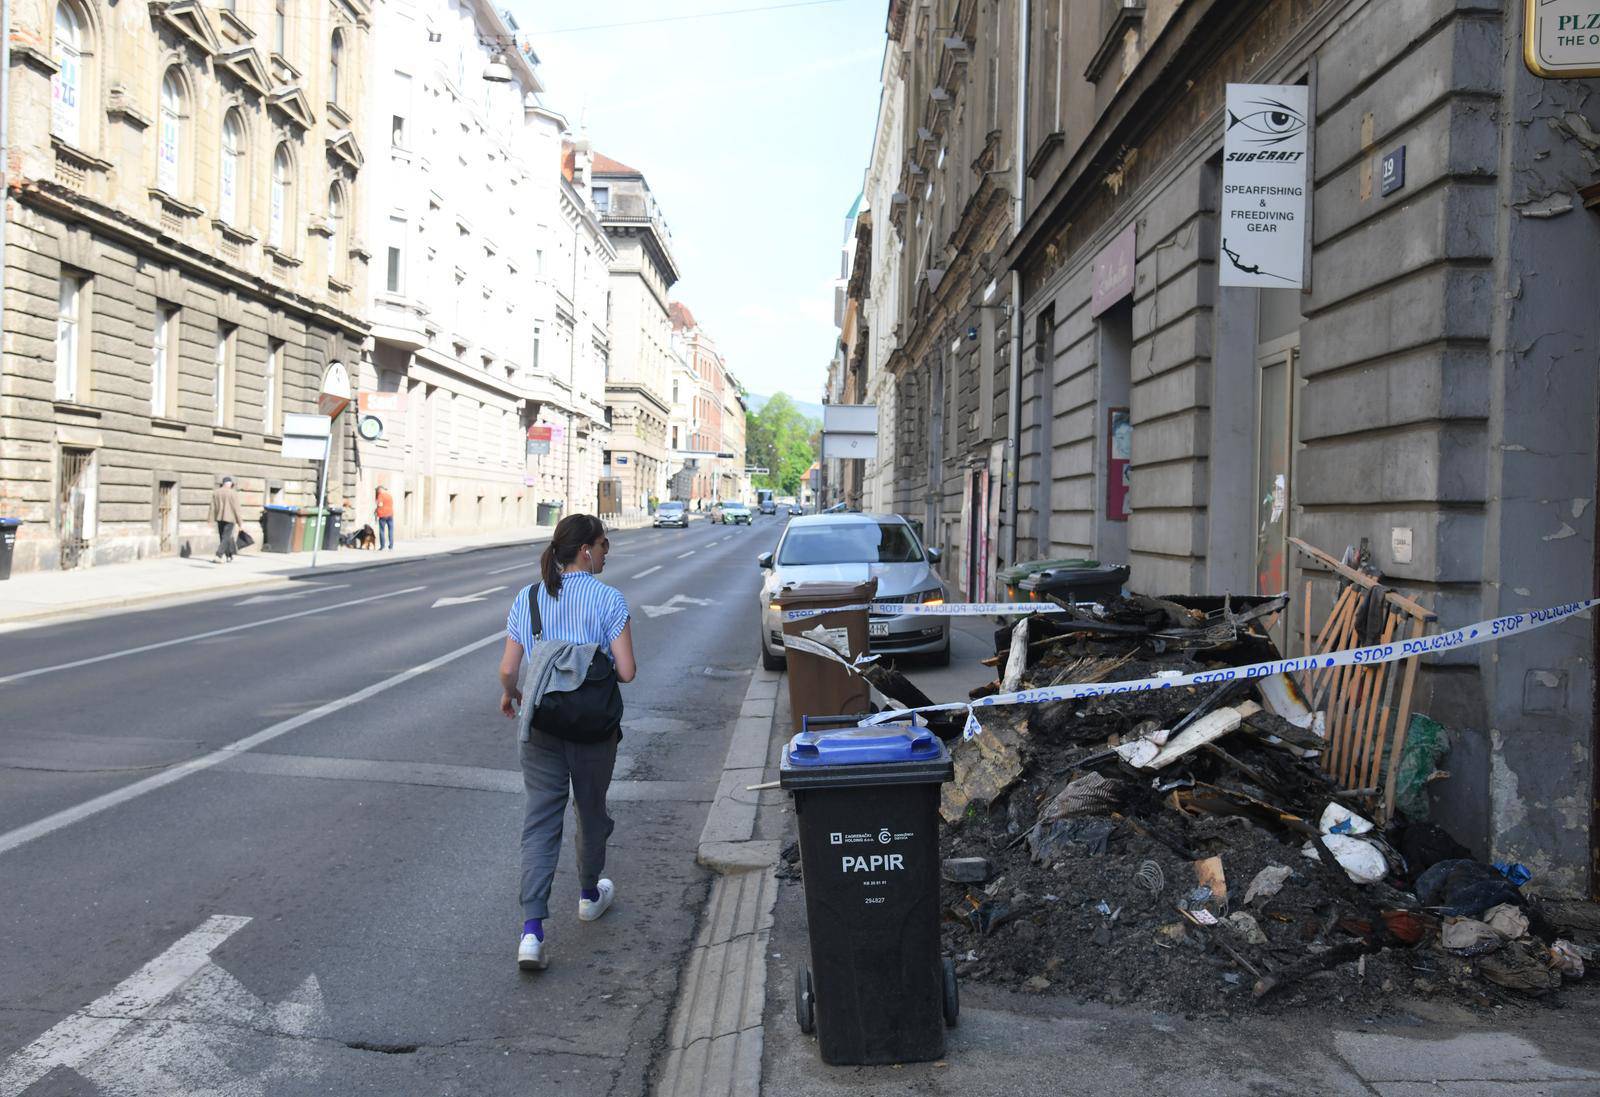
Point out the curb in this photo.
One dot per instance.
(276, 579)
(715, 1038)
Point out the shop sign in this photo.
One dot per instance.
(391, 403)
(1265, 186)
(1112, 273)
(539, 440)
(1561, 39)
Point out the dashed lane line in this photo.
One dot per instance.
(36, 671)
(648, 571)
(11, 839)
(681, 555)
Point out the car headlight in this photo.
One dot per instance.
(934, 597)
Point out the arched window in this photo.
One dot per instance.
(233, 175)
(282, 199)
(335, 58)
(335, 231)
(66, 86)
(169, 144)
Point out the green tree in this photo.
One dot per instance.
(782, 440)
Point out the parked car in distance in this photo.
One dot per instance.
(734, 514)
(672, 513)
(852, 548)
(767, 506)
(796, 508)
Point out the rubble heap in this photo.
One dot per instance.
(1182, 848)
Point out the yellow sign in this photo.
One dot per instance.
(1561, 39)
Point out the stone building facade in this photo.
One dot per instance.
(488, 308)
(1428, 399)
(183, 260)
(639, 376)
(701, 417)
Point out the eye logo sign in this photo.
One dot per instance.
(1264, 185)
(1271, 122)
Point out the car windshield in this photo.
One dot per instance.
(736, 507)
(850, 543)
(671, 506)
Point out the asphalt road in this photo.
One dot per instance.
(267, 844)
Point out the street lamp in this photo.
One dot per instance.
(497, 71)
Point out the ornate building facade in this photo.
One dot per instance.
(184, 258)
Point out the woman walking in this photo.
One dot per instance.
(568, 629)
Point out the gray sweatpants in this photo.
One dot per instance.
(549, 765)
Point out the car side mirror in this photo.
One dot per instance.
(764, 560)
(934, 556)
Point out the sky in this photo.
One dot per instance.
(753, 131)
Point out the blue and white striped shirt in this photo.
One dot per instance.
(586, 611)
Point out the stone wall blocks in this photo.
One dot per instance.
(1074, 493)
(1380, 36)
(1423, 308)
(1446, 545)
(1430, 383)
(1176, 391)
(1176, 484)
(1076, 392)
(1442, 462)
(1176, 344)
(1161, 574)
(1173, 438)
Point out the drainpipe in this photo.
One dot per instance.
(1018, 213)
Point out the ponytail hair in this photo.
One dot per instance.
(572, 533)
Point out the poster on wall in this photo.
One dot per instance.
(1264, 186)
(1119, 459)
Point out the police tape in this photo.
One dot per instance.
(939, 609)
(1481, 632)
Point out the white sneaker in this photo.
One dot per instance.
(530, 954)
(588, 910)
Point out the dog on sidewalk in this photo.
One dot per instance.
(363, 538)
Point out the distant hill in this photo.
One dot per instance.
(810, 411)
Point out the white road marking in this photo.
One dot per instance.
(261, 599)
(526, 565)
(681, 555)
(463, 599)
(74, 1041)
(13, 838)
(648, 571)
(672, 605)
(20, 675)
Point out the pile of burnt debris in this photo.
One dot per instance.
(1186, 849)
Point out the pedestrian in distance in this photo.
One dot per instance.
(569, 641)
(384, 511)
(225, 513)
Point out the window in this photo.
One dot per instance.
(282, 198)
(401, 107)
(222, 371)
(538, 333)
(602, 199)
(394, 280)
(335, 230)
(232, 169)
(397, 131)
(271, 388)
(170, 138)
(66, 86)
(69, 316)
(335, 59)
(163, 360)
(280, 27)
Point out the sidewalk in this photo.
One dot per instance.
(734, 1030)
(36, 596)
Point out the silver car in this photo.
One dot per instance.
(853, 548)
(672, 513)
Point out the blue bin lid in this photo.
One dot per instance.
(8, 522)
(861, 745)
(279, 506)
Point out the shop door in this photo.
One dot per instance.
(1275, 437)
(73, 502)
(167, 515)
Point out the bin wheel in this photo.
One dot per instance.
(952, 993)
(772, 662)
(805, 1003)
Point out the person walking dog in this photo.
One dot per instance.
(225, 513)
(383, 510)
(569, 642)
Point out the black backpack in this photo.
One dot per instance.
(592, 713)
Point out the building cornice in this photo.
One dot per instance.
(52, 198)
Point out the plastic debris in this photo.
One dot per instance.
(1514, 871)
(1463, 887)
(1507, 920)
(1338, 819)
(1565, 958)
(1469, 937)
(967, 870)
(1362, 861)
(1267, 883)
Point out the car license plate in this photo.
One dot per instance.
(877, 629)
